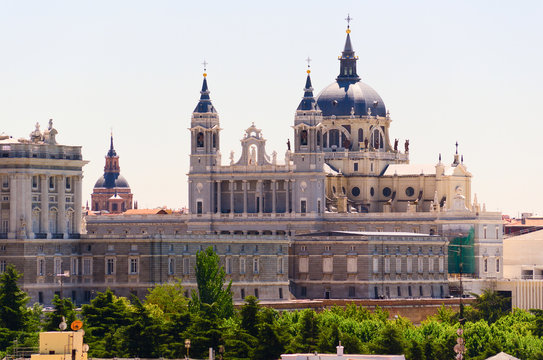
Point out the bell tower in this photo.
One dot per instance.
(308, 156)
(204, 152)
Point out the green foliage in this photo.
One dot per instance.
(169, 298)
(63, 309)
(13, 312)
(307, 330)
(210, 277)
(489, 306)
(389, 341)
(104, 318)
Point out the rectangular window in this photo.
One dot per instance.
(497, 265)
(52, 182)
(327, 265)
(2, 266)
(57, 270)
(355, 166)
(303, 206)
(431, 265)
(34, 182)
(484, 232)
(5, 182)
(199, 207)
(375, 265)
(186, 265)
(398, 264)
(280, 293)
(387, 265)
(40, 297)
(303, 291)
(485, 265)
(5, 226)
(351, 291)
(256, 293)
(110, 266)
(171, 266)
(228, 267)
(303, 264)
(441, 264)
(352, 265)
(280, 262)
(242, 265)
(41, 267)
(409, 265)
(87, 266)
(319, 206)
(409, 291)
(242, 291)
(399, 291)
(133, 266)
(75, 266)
(256, 266)
(68, 183)
(421, 264)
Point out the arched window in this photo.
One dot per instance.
(214, 141)
(200, 140)
(360, 135)
(377, 139)
(318, 138)
(333, 136)
(303, 137)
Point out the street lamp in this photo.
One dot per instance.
(66, 273)
(187, 346)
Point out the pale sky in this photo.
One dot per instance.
(466, 71)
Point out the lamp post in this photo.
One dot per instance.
(187, 346)
(61, 276)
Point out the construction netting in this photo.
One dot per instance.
(462, 254)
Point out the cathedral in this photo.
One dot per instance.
(342, 214)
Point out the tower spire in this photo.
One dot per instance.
(111, 151)
(347, 68)
(204, 105)
(308, 102)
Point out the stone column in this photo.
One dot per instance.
(260, 186)
(287, 197)
(245, 196)
(273, 185)
(44, 220)
(12, 206)
(231, 196)
(192, 209)
(78, 198)
(27, 204)
(61, 192)
(219, 197)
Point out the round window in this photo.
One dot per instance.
(372, 191)
(409, 191)
(387, 192)
(355, 191)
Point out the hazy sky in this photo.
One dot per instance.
(466, 71)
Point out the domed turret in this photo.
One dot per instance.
(111, 183)
(348, 95)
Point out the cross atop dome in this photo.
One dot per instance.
(348, 19)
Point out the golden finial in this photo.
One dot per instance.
(348, 18)
(205, 67)
(308, 64)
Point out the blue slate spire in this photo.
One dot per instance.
(308, 102)
(347, 61)
(111, 151)
(204, 105)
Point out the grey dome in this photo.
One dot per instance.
(111, 180)
(340, 97)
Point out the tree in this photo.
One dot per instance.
(249, 312)
(13, 312)
(63, 308)
(210, 278)
(307, 333)
(489, 306)
(271, 338)
(169, 298)
(390, 340)
(141, 336)
(103, 318)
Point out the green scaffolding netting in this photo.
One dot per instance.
(462, 254)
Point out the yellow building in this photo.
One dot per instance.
(61, 345)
